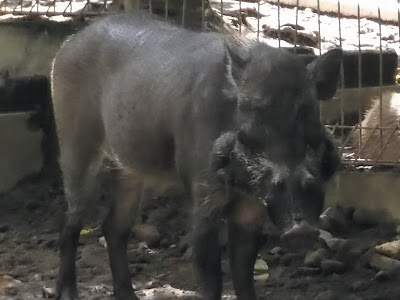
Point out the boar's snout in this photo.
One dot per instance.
(300, 235)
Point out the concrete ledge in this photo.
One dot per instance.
(373, 191)
(20, 149)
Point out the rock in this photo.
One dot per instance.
(350, 251)
(335, 243)
(150, 284)
(261, 277)
(381, 276)
(365, 218)
(102, 241)
(389, 248)
(260, 266)
(332, 266)
(290, 258)
(8, 282)
(147, 233)
(272, 260)
(334, 220)
(167, 292)
(299, 238)
(313, 259)
(398, 229)
(188, 254)
(384, 263)
(325, 235)
(276, 250)
(48, 292)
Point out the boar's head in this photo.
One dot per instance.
(280, 153)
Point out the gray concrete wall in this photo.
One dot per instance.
(27, 48)
(20, 149)
(373, 191)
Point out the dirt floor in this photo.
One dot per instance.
(31, 215)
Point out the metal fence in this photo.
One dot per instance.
(364, 116)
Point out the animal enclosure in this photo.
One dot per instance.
(364, 115)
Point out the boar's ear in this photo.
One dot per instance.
(324, 71)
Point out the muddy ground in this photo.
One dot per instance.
(31, 215)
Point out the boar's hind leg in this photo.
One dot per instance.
(207, 257)
(79, 186)
(245, 223)
(125, 197)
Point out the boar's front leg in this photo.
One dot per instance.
(207, 257)
(245, 224)
(125, 196)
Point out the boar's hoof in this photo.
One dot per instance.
(125, 295)
(69, 293)
(300, 237)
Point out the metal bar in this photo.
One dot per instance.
(295, 29)
(52, 14)
(380, 74)
(258, 20)
(240, 16)
(166, 8)
(151, 6)
(366, 142)
(183, 12)
(341, 82)
(360, 146)
(279, 23)
(203, 21)
(319, 26)
(384, 147)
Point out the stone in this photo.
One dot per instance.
(313, 259)
(8, 283)
(382, 276)
(330, 266)
(334, 220)
(325, 235)
(384, 263)
(290, 258)
(389, 249)
(350, 251)
(365, 218)
(335, 243)
(48, 292)
(147, 233)
(276, 250)
(102, 241)
(261, 277)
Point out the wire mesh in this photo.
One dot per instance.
(364, 115)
